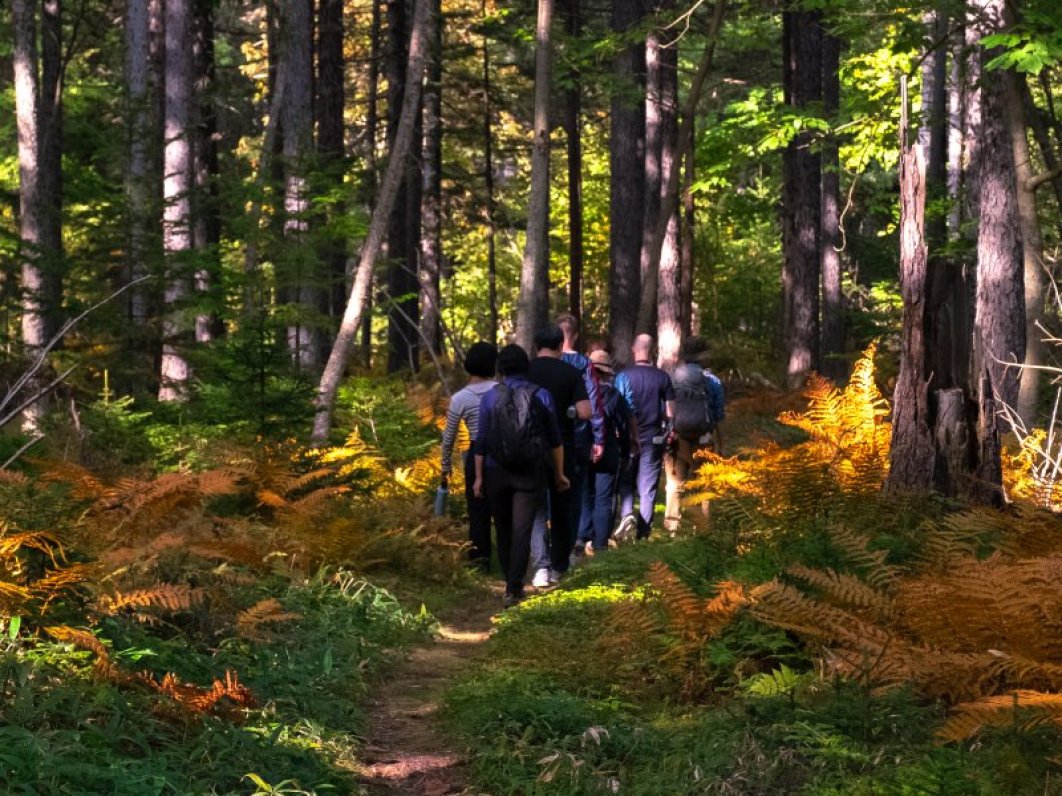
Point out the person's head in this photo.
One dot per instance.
(693, 349)
(642, 348)
(596, 344)
(569, 326)
(513, 361)
(549, 338)
(481, 360)
(602, 363)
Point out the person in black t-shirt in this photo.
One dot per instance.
(565, 385)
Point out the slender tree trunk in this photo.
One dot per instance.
(999, 312)
(301, 274)
(138, 188)
(801, 200)
(1035, 118)
(669, 317)
(27, 118)
(175, 372)
(488, 186)
(431, 254)
(372, 117)
(652, 173)
(51, 164)
(689, 227)
(971, 132)
(833, 364)
(420, 42)
(933, 131)
(207, 221)
(956, 112)
(533, 306)
(573, 133)
(912, 454)
(331, 101)
(1032, 248)
(627, 180)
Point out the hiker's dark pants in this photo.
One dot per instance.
(604, 505)
(478, 518)
(643, 478)
(558, 509)
(513, 501)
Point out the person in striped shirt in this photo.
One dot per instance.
(480, 363)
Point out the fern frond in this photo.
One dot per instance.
(81, 639)
(1023, 710)
(173, 597)
(846, 590)
(269, 611)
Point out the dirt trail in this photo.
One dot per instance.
(406, 751)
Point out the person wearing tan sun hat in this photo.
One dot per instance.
(619, 437)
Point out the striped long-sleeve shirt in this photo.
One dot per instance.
(464, 407)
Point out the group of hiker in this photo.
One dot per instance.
(557, 438)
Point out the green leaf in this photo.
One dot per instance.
(13, 626)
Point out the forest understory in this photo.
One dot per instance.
(230, 627)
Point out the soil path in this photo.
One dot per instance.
(406, 751)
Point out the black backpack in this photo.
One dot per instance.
(617, 422)
(693, 408)
(518, 431)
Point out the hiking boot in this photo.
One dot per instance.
(510, 599)
(541, 579)
(627, 530)
(555, 577)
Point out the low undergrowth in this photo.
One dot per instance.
(813, 637)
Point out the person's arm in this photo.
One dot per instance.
(597, 411)
(477, 485)
(453, 421)
(559, 478)
(717, 398)
(583, 410)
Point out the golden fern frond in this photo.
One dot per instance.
(172, 597)
(84, 485)
(855, 547)
(1023, 710)
(269, 611)
(13, 478)
(81, 639)
(846, 590)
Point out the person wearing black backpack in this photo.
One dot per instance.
(697, 415)
(518, 446)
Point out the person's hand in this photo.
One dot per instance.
(596, 452)
(477, 488)
(563, 484)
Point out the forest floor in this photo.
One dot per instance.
(406, 751)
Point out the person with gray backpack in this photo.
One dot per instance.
(697, 414)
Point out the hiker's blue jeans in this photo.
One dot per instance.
(552, 542)
(643, 479)
(604, 504)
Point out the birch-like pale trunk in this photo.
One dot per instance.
(396, 165)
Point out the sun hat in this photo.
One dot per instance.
(602, 361)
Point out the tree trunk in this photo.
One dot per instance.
(999, 311)
(51, 164)
(669, 315)
(956, 113)
(1032, 249)
(1035, 117)
(431, 254)
(372, 117)
(299, 275)
(207, 221)
(330, 145)
(573, 133)
(141, 129)
(652, 174)
(971, 122)
(689, 232)
(175, 372)
(402, 287)
(403, 141)
(533, 306)
(627, 180)
(488, 186)
(833, 364)
(932, 132)
(912, 455)
(801, 201)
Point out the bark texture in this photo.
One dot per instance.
(669, 281)
(331, 101)
(533, 306)
(833, 364)
(801, 200)
(431, 253)
(205, 210)
(573, 134)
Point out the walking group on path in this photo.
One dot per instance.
(557, 438)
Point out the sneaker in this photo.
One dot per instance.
(555, 577)
(580, 548)
(510, 599)
(589, 549)
(627, 530)
(541, 579)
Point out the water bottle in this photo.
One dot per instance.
(441, 495)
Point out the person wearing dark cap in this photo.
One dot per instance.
(698, 412)
(517, 450)
(480, 363)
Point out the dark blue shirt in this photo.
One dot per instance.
(646, 389)
(486, 417)
(592, 431)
